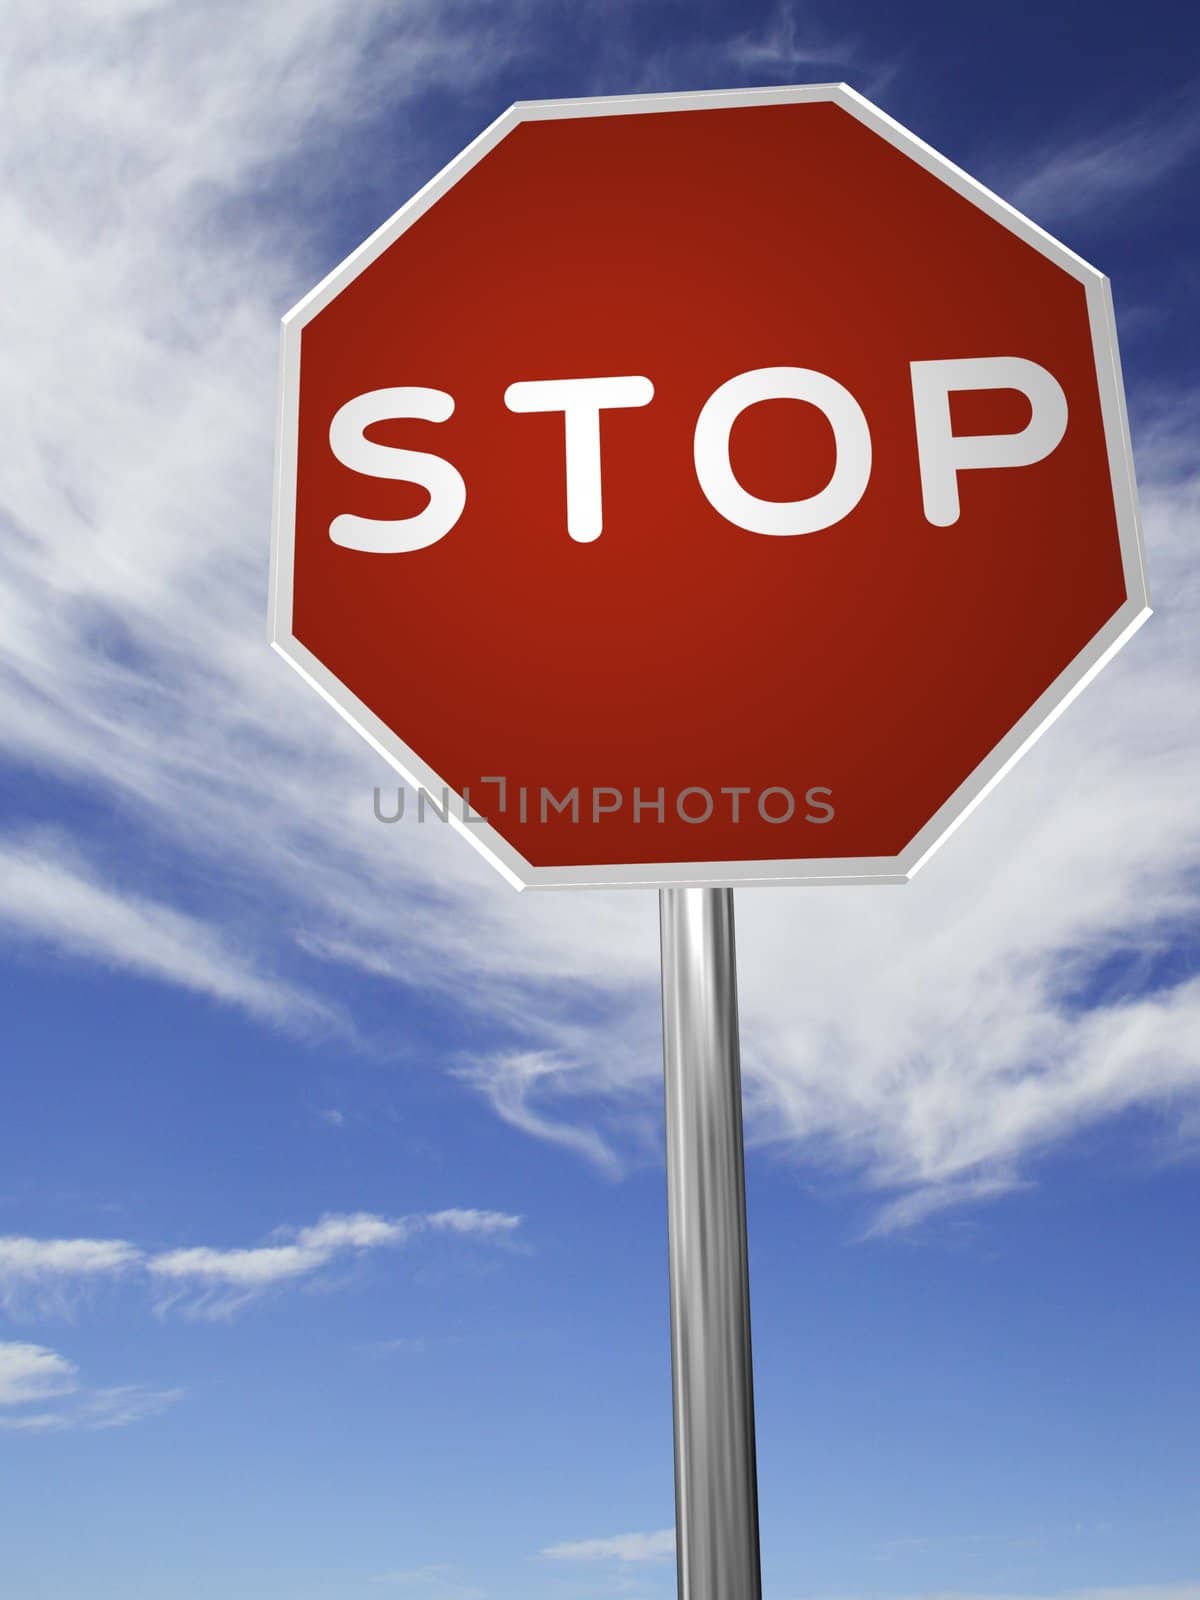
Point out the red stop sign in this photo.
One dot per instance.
(707, 488)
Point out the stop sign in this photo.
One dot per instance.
(704, 488)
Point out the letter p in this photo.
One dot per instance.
(943, 454)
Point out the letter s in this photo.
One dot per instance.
(447, 491)
(813, 803)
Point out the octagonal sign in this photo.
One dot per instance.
(704, 488)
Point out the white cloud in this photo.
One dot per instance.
(237, 1268)
(906, 1210)
(458, 1220)
(31, 1372)
(788, 44)
(510, 1081)
(95, 1410)
(786, 41)
(931, 1039)
(48, 1273)
(216, 1283)
(619, 1547)
(23, 1258)
(1092, 172)
(220, 1282)
(49, 895)
(30, 1375)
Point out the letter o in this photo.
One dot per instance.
(852, 441)
(788, 796)
(681, 811)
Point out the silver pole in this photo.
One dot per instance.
(716, 1487)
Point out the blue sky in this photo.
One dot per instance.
(332, 1210)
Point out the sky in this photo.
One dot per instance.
(332, 1202)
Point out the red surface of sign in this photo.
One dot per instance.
(868, 669)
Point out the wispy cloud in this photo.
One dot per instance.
(209, 1282)
(788, 40)
(787, 43)
(32, 1258)
(31, 1372)
(31, 1376)
(629, 1547)
(311, 1248)
(217, 1283)
(909, 1209)
(510, 1081)
(49, 894)
(49, 1273)
(1094, 171)
(463, 1221)
(94, 1410)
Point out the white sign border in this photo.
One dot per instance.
(1004, 756)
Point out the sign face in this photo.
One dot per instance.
(709, 488)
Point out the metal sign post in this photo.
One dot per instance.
(716, 1485)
